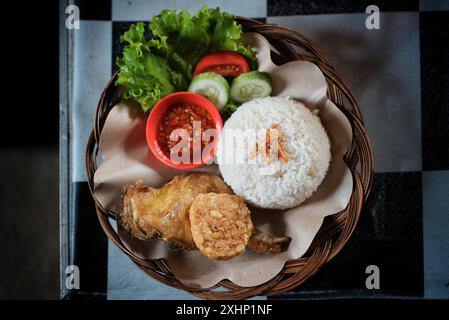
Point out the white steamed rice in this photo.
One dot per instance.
(277, 185)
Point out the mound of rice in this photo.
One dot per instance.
(279, 184)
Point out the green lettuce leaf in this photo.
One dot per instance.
(152, 69)
(146, 77)
(228, 110)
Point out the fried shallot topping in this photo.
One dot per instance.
(273, 146)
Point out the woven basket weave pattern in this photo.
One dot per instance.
(336, 230)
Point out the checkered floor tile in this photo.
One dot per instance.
(400, 76)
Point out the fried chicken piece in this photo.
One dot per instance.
(221, 225)
(150, 213)
(164, 213)
(263, 243)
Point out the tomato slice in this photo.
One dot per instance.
(228, 64)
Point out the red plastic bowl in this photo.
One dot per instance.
(158, 112)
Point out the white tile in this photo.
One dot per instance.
(435, 234)
(136, 10)
(127, 281)
(382, 68)
(91, 72)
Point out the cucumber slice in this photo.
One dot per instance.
(213, 86)
(250, 85)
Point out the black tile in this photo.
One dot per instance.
(304, 7)
(91, 244)
(262, 19)
(119, 28)
(94, 10)
(389, 235)
(85, 296)
(248, 29)
(434, 37)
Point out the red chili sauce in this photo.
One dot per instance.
(182, 116)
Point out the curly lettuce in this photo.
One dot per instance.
(152, 69)
(146, 76)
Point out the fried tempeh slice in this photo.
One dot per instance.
(221, 225)
(218, 228)
(163, 213)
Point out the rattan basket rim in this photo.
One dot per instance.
(335, 231)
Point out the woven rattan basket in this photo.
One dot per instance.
(336, 230)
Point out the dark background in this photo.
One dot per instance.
(29, 228)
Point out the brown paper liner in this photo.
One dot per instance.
(126, 159)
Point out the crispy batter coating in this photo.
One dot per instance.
(221, 225)
(150, 213)
(263, 243)
(195, 210)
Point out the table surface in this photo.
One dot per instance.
(398, 73)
